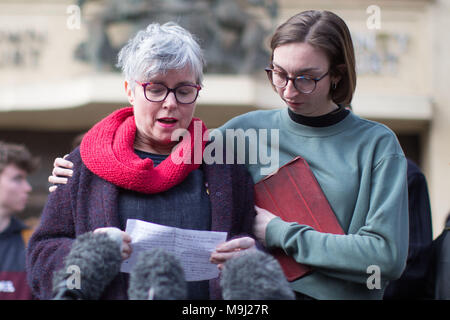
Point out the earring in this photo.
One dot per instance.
(334, 85)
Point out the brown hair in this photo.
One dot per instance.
(17, 154)
(328, 32)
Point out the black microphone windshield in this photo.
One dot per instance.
(157, 275)
(92, 263)
(254, 275)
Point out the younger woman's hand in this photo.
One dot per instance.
(62, 170)
(262, 219)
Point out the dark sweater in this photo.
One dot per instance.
(88, 202)
(184, 206)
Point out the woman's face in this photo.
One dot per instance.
(302, 59)
(156, 121)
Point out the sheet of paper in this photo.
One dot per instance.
(192, 248)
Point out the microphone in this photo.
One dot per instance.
(92, 263)
(157, 275)
(254, 275)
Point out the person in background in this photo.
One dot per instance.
(413, 282)
(438, 275)
(16, 163)
(128, 167)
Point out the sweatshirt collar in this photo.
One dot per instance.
(309, 131)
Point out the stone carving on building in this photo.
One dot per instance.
(380, 53)
(21, 48)
(229, 32)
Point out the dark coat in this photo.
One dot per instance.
(13, 284)
(439, 272)
(88, 202)
(412, 283)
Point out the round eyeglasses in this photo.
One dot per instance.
(304, 84)
(157, 92)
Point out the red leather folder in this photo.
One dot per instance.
(293, 194)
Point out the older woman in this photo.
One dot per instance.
(125, 168)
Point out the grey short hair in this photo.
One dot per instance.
(158, 49)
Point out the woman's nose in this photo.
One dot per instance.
(290, 90)
(170, 101)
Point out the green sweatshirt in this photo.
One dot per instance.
(361, 169)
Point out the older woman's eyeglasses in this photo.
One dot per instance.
(157, 92)
(304, 84)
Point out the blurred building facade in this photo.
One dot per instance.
(57, 74)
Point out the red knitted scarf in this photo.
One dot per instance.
(107, 150)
